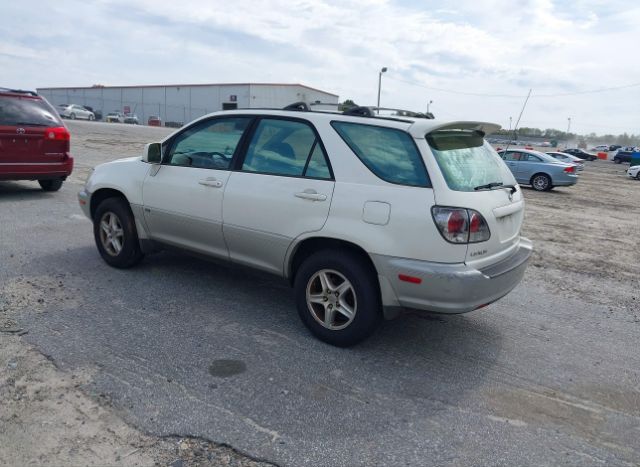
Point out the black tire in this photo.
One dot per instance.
(72, 116)
(50, 185)
(638, 176)
(617, 160)
(129, 253)
(364, 293)
(541, 182)
(91, 118)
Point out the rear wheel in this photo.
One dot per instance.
(541, 182)
(337, 297)
(91, 118)
(617, 160)
(72, 116)
(50, 185)
(114, 230)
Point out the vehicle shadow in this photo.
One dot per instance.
(10, 190)
(155, 331)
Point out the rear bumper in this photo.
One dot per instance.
(448, 288)
(36, 170)
(565, 180)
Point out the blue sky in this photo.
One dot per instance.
(439, 51)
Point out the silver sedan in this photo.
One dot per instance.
(538, 169)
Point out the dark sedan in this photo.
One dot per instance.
(581, 153)
(624, 155)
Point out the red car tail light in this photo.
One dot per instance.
(59, 133)
(570, 169)
(459, 225)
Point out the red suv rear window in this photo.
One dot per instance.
(27, 111)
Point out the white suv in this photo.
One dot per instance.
(364, 215)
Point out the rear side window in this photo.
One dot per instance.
(389, 153)
(467, 161)
(286, 147)
(27, 111)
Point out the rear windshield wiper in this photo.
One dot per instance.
(496, 186)
(29, 124)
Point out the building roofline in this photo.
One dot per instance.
(60, 88)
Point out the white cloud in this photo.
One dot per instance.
(493, 46)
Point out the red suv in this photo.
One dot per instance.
(34, 143)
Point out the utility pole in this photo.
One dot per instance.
(428, 104)
(568, 129)
(510, 119)
(383, 70)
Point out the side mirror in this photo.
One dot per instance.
(152, 153)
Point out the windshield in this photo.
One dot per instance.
(467, 161)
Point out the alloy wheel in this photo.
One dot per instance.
(111, 233)
(331, 299)
(540, 182)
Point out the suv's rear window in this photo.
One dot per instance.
(466, 160)
(27, 111)
(389, 153)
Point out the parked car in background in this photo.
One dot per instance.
(131, 118)
(409, 225)
(74, 111)
(634, 172)
(624, 154)
(538, 169)
(97, 113)
(34, 143)
(115, 117)
(568, 159)
(614, 147)
(581, 153)
(154, 120)
(600, 148)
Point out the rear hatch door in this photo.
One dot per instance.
(24, 124)
(473, 176)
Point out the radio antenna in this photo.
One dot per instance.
(518, 121)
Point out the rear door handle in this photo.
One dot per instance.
(311, 195)
(211, 182)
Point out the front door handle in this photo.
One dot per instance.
(211, 182)
(311, 195)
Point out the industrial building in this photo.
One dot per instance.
(180, 103)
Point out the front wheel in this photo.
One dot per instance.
(91, 118)
(337, 297)
(617, 160)
(541, 182)
(114, 230)
(72, 116)
(50, 185)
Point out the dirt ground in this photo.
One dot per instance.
(586, 244)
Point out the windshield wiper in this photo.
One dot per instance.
(496, 186)
(29, 124)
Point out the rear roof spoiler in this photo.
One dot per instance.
(420, 128)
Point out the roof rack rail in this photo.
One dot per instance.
(359, 111)
(299, 106)
(405, 113)
(18, 91)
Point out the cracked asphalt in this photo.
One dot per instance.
(181, 346)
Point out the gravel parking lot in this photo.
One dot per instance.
(132, 375)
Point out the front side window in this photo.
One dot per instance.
(286, 147)
(389, 153)
(208, 145)
(467, 161)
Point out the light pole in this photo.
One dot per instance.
(568, 128)
(383, 70)
(510, 118)
(428, 104)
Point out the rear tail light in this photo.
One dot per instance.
(459, 225)
(570, 170)
(59, 133)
